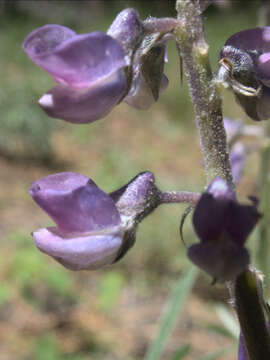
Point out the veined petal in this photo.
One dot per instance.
(83, 252)
(75, 60)
(85, 105)
(75, 203)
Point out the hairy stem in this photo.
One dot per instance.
(204, 93)
(167, 197)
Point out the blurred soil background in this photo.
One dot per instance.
(48, 312)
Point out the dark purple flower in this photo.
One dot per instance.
(245, 68)
(93, 229)
(88, 68)
(222, 225)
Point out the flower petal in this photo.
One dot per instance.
(237, 159)
(223, 260)
(87, 252)
(86, 105)
(128, 30)
(209, 214)
(240, 221)
(76, 60)
(251, 39)
(75, 203)
(263, 71)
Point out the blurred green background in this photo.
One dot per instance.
(47, 312)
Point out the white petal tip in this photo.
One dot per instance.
(46, 101)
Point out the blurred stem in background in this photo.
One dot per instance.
(263, 243)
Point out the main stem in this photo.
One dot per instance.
(208, 115)
(205, 95)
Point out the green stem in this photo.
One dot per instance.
(204, 93)
(247, 295)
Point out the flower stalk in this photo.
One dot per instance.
(170, 197)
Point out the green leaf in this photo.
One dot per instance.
(181, 353)
(215, 355)
(171, 313)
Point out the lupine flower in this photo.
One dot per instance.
(88, 68)
(222, 225)
(96, 71)
(245, 68)
(93, 229)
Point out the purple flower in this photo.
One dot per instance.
(93, 229)
(222, 225)
(245, 68)
(88, 68)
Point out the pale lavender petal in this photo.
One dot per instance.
(140, 95)
(233, 128)
(88, 252)
(77, 60)
(264, 69)
(75, 203)
(220, 189)
(85, 105)
(237, 159)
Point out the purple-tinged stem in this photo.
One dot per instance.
(163, 25)
(170, 197)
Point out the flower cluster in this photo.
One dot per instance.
(95, 72)
(245, 68)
